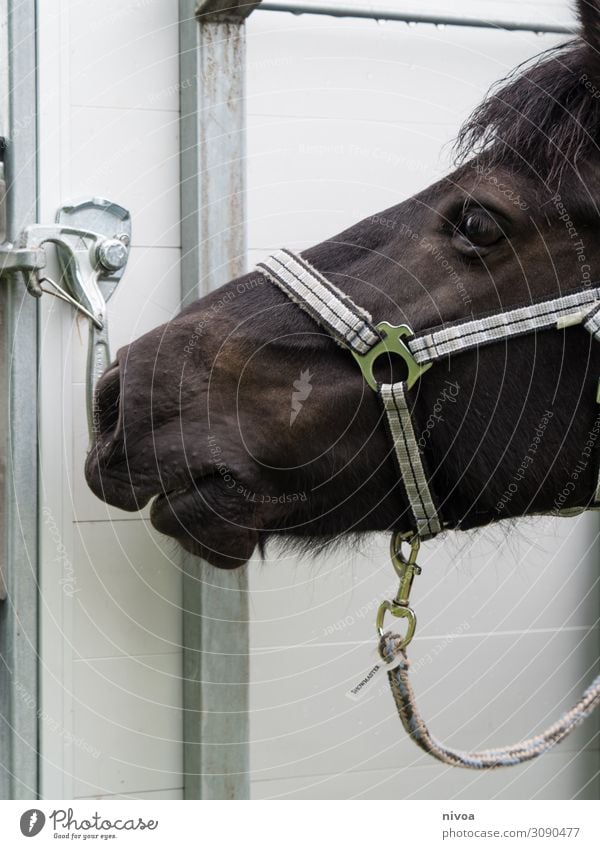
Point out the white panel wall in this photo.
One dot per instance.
(111, 661)
(347, 118)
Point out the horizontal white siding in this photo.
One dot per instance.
(111, 635)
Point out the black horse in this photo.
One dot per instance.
(245, 419)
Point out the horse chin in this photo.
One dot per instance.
(207, 522)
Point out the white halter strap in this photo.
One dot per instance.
(557, 312)
(353, 327)
(349, 325)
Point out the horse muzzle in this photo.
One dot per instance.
(117, 491)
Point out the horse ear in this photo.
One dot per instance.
(589, 16)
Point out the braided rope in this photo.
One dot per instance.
(516, 753)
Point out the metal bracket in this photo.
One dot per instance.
(391, 342)
(406, 568)
(92, 241)
(225, 11)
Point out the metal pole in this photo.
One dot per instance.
(413, 17)
(213, 251)
(18, 409)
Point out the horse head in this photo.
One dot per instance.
(243, 418)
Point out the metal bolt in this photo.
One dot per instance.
(112, 254)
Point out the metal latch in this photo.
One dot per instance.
(92, 240)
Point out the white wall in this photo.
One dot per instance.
(111, 662)
(347, 118)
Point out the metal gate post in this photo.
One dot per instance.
(213, 246)
(18, 409)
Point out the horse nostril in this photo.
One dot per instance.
(108, 398)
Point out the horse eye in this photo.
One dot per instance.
(478, 229)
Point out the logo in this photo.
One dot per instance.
(303, 388)
(32, 822)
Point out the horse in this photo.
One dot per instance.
(244, 419)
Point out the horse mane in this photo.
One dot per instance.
(544, 116)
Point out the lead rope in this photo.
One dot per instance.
(516, 753)
(392, 649)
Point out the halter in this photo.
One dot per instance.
(352, 327)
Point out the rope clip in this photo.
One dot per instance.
(406, 568)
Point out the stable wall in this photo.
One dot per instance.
(110, 639)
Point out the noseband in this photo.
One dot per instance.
(352, 327)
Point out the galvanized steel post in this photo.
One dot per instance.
(213, 247)
(18, 408)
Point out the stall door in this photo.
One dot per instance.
(110, 721)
